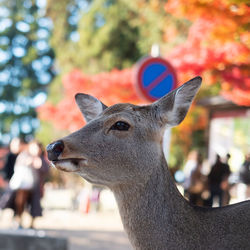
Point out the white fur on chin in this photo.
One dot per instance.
(66, 166)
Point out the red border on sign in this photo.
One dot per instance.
(140, 67)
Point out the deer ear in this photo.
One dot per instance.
(171, 109)
(90, 106)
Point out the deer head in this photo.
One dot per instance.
(121, 144)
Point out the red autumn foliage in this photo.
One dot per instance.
(217, 48)
(218, 45)
(110, 87)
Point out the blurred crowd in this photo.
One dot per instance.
(26, 168)
(213, 188)
(24, 173)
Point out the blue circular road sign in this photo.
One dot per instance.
(155, 77)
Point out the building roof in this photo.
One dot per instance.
(215, 101)
(220, 107)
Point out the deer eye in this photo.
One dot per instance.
(121, 126)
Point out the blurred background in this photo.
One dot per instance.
(51, 50)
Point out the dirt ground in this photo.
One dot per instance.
(94, 231)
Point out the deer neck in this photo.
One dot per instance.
(153, 212)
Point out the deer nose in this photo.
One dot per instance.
(54, 150)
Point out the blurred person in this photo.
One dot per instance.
(197, 184)
(188, 168)
(218, 181)
(7, 200)
(225, 183)
(84, 200)
(95, 198)
(24, 178)
(243, 189)
(15, 148)
(41, 169)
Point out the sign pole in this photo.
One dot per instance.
(154, 78)
(155, 52)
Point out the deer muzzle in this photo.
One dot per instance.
(54, 150)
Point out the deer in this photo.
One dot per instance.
(120, 147)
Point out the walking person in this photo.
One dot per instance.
(7, 200)
(197, 184)
(23, 179)
(190, 165)
(217, 177)
(15, 148)
(243, 189)
(225, 183)
(41, 169)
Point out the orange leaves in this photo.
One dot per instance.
(217, 47)
(237, 85)
(110, 87)
(218, 11)
(65, 115)
(218, 44)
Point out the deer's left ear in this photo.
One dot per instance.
(171, 109)
(90, 106)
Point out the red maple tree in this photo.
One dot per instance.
(110, 87)
(217, 47)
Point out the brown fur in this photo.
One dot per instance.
(132, 164)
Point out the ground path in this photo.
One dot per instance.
(95, 231)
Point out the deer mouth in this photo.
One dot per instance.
(69, 165)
